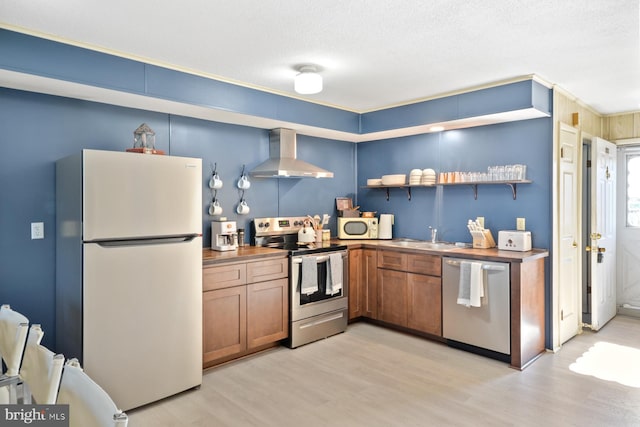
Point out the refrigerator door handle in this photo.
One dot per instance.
(142, 242)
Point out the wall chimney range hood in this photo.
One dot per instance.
(282, 162)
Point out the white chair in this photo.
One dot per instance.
(40, 371)
(89, 404)
(13, 334)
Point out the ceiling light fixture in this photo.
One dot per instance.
(308, 81)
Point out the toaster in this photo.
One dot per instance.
(514, 240)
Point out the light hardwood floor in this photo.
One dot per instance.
(371, 376)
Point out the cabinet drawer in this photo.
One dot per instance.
(392, 260)
(271, 269)
(223, 276)
(425, 264)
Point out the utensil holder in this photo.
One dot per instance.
(483, 239)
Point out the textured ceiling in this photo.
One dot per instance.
(373, 53)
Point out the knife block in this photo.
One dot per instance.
(483, 239)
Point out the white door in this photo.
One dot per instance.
(130, 195)
(602, 232)
(569, 275)
(142, 319)
(628, 277)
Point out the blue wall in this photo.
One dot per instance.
(448, 208)
(36, 130)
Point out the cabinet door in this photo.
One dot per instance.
(369, 280)
(425, 303)
(392, 296)
(225, 322)
(268, 314)
(355, 283)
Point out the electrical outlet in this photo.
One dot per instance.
(37, 230)
(520, 224)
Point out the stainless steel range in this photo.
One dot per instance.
(318, 279)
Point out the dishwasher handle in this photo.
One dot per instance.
(484, 266)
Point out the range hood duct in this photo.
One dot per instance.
(282, 162)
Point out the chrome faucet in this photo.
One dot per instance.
(434, 234)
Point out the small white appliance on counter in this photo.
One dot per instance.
(129, 271)
(357, 228)
(514, 240)
(224, 235)
(386, 225)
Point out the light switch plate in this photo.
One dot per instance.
(37, 230)
(520, 224)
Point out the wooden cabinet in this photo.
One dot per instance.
(410, 290)
(267, 312)
(245, 308)
(355, 283)
(363, 283)
(424, 297)
(225, 322)
(392, 296)
(392, 260)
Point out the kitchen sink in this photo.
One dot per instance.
(421, 244)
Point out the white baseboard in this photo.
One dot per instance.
(627, 311)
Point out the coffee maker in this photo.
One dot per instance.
(224, 236)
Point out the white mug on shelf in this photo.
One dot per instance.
(244, 183)
(243, 208)
(215, 182)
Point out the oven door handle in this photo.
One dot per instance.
(318, 259)
(322, 258)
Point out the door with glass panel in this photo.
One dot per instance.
(628, 234)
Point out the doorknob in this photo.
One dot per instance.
(602, 250)
(574, 245)
(596, 236)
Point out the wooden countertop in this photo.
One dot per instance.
(493, 254)
(244, 253)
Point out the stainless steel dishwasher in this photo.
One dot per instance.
(486, 327)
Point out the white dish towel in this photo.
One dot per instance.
(471, 286)
(334, 281)
(309, 275)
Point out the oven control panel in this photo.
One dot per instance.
(279, 225)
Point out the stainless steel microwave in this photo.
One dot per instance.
(357, 228)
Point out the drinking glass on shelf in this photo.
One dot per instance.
(492, 172)
(520, 172)
(508, 172)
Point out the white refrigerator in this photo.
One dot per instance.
(129, 271)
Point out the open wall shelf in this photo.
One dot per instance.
(474, 185)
